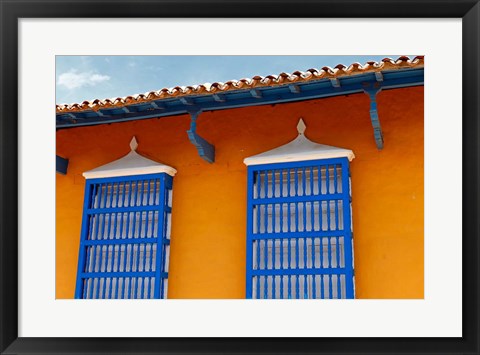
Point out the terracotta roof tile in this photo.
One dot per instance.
(339, 70)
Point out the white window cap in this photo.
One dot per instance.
(131, 164)
(300, 149)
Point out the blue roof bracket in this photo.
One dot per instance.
(219, 97)
(372, 89)
(205, 149)
(61, 165)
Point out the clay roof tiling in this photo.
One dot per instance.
(338, 71)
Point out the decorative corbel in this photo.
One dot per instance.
(205, 149)
(372, 90)
(61, 165)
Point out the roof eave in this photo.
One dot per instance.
(314, 89)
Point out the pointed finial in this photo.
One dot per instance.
(133, 144)
(301, 126)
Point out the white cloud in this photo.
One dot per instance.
(72, 79)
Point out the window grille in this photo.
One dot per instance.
(299, 237)
(125, 238)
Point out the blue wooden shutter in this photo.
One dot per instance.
(125, 238)
(299, 236)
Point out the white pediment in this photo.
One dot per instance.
(130, 164)
(300, 149)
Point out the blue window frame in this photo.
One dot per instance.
(125, 238)
(299, 235)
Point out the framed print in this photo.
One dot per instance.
(240, 216)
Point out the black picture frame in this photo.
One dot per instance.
(13, 10)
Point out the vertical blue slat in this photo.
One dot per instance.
(335, 178)
(148, 192)
(120, 227)
(102, 225)
(97, 218)
(329, 246)
(97, 290)
(111, 278)
(134, 224)
(147, 287)
(273, 183)
(93, 197)
(281, 231)
(130, 259)
(87, 262)
(258, 266)
(321, 252)
(83, 237)
(312, 216)
(137, 192)
(296, 181)
(142, 290)
(336, 201)
(137, 261)
(347, 241)
(92, 280)
(265, 181)
(108, 281)
(337, 249)
(297, 286)
(327, 182)
(296, 189)
(330, 292)
(145, 232)
(319, 182)
(144, 257)
(125, 256)
(124, 281)
(311, 181)
(117, 195)
(109, 229)
(137, 280)
(130, 232)
(289, 267)
(252, 178)
(274, 251)
(289, 181)
(339, 287)
(314, 288)
(265, 264)
(131, 195)
(132, 287)
(85, 288)
(115, 234)
(280, 183)
(100, 258)
(150, 259)
(98, 197)
(304, 205)
(305, 266)
(164, 236)
(161, 220)
(111, 194)
(104, 195)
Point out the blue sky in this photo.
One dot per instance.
(80, 78)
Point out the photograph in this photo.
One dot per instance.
(239, 177)
(298, 177)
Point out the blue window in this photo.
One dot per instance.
(299, 236)
(125, 238)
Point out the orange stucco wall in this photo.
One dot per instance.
(209, 201)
